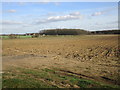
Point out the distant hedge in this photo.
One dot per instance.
(64, 32)
(106, 32)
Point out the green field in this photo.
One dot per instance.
(7, 37)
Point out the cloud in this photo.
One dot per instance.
(10, 22)
(75, 14)
(71, 16)
(27, 25)
(97, 13)
(22, 3)
(47, 2)
(104, 11)
(57, 3)
(114, 22)
(11, 11)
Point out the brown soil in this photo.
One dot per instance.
(92, 57)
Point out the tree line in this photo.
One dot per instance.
(106, 32)
(64, 32)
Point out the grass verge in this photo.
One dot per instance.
(46, 78)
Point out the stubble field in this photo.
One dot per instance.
(86, 61)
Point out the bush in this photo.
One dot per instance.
(12, 36)
(35, 35)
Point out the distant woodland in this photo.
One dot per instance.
(76, 32)
(64, 32)
(106, 32)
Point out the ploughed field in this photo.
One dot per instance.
(86, 61)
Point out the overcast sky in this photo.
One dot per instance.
(21, 17)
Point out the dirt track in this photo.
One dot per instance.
(91, 57)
